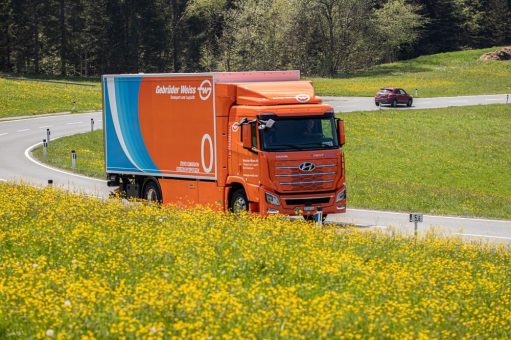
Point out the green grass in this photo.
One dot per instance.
(454, 161)
(89, 153)
(447, 161)
(31, 97)
(438, 75)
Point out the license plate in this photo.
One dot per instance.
(308, 209)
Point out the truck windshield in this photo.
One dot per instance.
(300, 134)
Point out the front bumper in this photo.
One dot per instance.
(303, 204)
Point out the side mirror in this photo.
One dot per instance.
(246, 134)
(340, 132)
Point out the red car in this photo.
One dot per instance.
(393, 96)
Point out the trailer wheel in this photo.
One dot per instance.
(152, 193)
(238, 202)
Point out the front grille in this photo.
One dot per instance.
(307, 201)
(290, 178)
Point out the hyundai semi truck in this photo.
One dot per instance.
(256, 141)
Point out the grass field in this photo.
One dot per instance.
(452, 161)
(446, 161)
(89, 149)
(438, 75)
(73, 267)
(31, 97)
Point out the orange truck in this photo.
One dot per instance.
(256, 141)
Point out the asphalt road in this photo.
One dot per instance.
(18, 137)
(350, 104)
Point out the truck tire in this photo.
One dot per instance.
(394, 103)
(238, 202)
(152, 192)
(410, 102)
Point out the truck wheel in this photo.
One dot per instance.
(152, 193)
(394, 103)
(239, 201)
(410, 102)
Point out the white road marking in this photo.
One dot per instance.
(436, 216)
(3, 134)
(73, 123)
(485, 236)
(493, 100)
(29, 157)
(23, 130)
(421, 102)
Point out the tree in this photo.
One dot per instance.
(397, 24)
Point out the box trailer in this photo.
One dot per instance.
(257, 141)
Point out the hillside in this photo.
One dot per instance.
(438, 75)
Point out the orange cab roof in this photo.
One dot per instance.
(276, 93)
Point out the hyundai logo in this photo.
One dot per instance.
(307, 166)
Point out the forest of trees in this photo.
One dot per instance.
(319, 37)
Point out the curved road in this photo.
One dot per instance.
(19, 136)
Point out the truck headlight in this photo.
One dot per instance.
(272, 199)
(341, 195)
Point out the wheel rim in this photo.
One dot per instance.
(239, 204)
(152, 195)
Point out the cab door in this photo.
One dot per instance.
(244, 161)
(249, 156)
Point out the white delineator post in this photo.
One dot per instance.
(45, 146)
(73, 160)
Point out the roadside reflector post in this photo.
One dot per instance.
(74, 105)
(92, 125)
(50, 182)
(73, 160)
(318, 217)
(48, 133)
(507, 99)
(416, 92)
(416, 218)
(45, 146)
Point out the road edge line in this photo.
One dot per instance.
(28, 155)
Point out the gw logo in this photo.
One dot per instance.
(205, 89)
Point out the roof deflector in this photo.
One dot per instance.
(256, 76)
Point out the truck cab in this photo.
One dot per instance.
(286, 151)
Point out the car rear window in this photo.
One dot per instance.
(384, 91)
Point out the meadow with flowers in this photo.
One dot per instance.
(76, 267)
